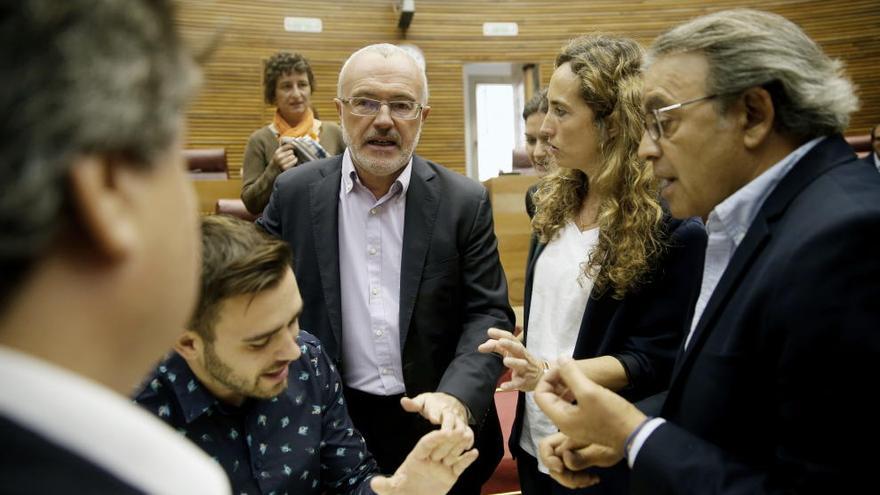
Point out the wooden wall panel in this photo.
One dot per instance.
(230, 106)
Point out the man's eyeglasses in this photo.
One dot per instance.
(655, 122)
(368, 107)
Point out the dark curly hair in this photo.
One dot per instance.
(280, 64)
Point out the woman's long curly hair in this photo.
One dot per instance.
(630, 214)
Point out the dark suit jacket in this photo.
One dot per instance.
(770, 395)
(869, 159)
(452, 287)
(645, 328)
(30, 463)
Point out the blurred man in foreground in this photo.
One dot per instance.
(98, 246)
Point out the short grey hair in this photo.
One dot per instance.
(747, 48)
(99, 77)
(386, 50)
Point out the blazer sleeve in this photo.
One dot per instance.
(659, 313)
(271, 220)
(257, 173)
(472, 376)
(819, 345)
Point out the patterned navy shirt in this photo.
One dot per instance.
(301, 442)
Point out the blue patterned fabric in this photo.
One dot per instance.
(301, 442)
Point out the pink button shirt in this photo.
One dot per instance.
(370, 250)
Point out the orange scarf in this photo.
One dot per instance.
(308, 126)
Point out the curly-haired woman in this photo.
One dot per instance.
(288, 83)
(610, 277)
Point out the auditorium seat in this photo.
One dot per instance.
(234, 207)
(505, 479)
(207, 164)
(860, 143)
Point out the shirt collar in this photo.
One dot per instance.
(876, 160)
(350, 177)
(735, 214)
(193, 397)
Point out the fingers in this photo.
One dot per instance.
(438, 408)
(445, 447)
(553, 451)
(574, 479)
(489, 346)
(549, 397)
(518, 364)
(513, 347)
(413, 405)
(499, 334)
(448, 421)
(464, 461)
(284, 156)
(383, 485)
(426, 445)
(502, 342)
(547, 452)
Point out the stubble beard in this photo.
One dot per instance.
(375, 166)
(223, 374)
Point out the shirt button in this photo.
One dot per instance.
(372, 251)
(373, 211)
(375, 291)
(378, 333)
(386, 371)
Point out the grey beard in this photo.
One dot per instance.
(380, 169)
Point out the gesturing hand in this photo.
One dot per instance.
(432, 467)
(440, 409)
(525, 369)
(598, 416)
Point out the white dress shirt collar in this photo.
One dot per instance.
(97, 424)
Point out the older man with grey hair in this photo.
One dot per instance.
(398, 268)
(98, 246)
(744, 115)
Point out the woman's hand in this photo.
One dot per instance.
(526, 369)
(284, 158)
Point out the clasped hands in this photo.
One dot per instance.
(593, 423)
(439, 457)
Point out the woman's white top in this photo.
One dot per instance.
(560, 291)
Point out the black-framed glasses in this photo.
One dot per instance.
(368, 107)
(655, 122)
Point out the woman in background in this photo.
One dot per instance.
(610, 277)
(288, 83)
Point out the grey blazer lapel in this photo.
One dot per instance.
(422, 204)
(324, 210)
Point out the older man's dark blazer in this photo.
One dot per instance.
(452, 287)
(643, 330)
(771, 394)
(870, 159)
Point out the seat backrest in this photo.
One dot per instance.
(860, 143)
(234, 207)
(209, 163)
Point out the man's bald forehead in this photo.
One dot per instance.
(379, 56)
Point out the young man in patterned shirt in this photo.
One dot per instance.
(261, 397)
